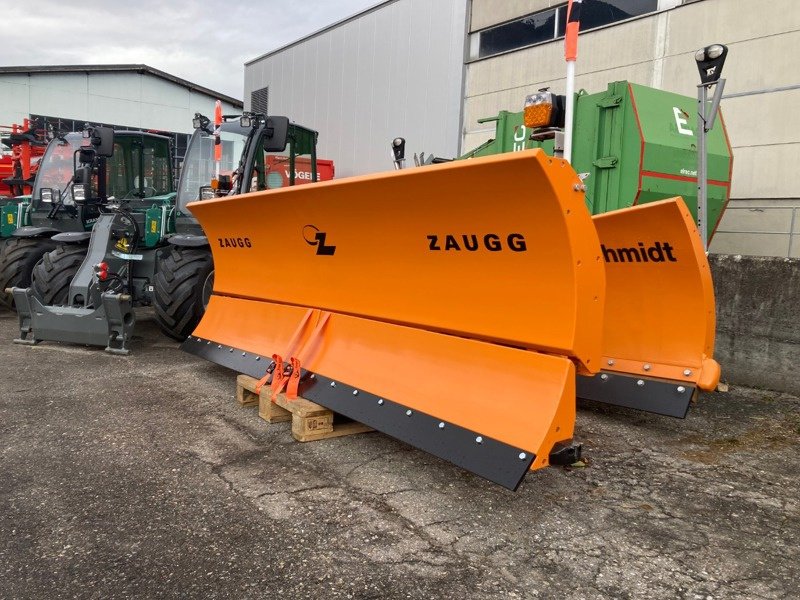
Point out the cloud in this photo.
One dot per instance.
(205, 42)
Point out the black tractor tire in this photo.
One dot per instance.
(53, 275)
(181, 288)
(18, 258)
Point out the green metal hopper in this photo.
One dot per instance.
(638, 144)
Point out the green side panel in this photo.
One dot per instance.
(8, 214)
(607, 146)
(639, 145)
(12, 212)
(152, 226)
(669, 128)
(164, 198)
(510, 135)
(658, 188)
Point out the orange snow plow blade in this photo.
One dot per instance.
(659, 322)
(417, 303)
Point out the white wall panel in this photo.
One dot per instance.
(14, 99)
(59, 95)
(766, 171)
(104, 109)
(124, 86)
(205, 106)
(159, 92)
(59, 83)
(730, 22)
(752, 64)
(123, 98)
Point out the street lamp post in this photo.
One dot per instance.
(709, 62)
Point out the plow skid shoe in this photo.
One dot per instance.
(499, 249)
(659, 323)
(494, 410)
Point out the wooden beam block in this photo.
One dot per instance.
(245, 396)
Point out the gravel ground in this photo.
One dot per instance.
(142, 477)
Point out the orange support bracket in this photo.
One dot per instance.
(296, 366)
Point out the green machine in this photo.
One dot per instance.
(634, 144)
(141, 252)
(78, 174)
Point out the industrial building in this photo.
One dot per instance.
(123, 96)
(393, 70)
(430, 70)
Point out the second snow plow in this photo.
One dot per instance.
(410, 302)
(659, 320)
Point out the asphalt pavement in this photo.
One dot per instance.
(141, 477)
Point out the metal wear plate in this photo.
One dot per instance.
(227, 356)
(489, 458)
(651, 395)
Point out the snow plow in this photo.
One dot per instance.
(410, 302)
(659, 320)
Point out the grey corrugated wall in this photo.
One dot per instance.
(396, 69)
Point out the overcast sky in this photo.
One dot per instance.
(203, 41)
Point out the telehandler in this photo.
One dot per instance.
(103, 165)
(141, 252)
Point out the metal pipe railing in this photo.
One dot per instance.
(790, 231)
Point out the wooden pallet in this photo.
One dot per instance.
(310, 421)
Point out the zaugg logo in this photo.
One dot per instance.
(658, 252)
(314, 237)
(234, 242)
(473, 242)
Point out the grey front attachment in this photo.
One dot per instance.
(108, 320)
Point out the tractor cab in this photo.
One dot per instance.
(243, 154)
(275, 169)
(80, 172)
(53, 172)
(80, 177)
(56, 168)
(141, 170)
(213, 157)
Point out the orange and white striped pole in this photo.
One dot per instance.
(571, 55)
(217, 137)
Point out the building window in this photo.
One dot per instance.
(259, 101)
(533, 29)
(550, 24)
